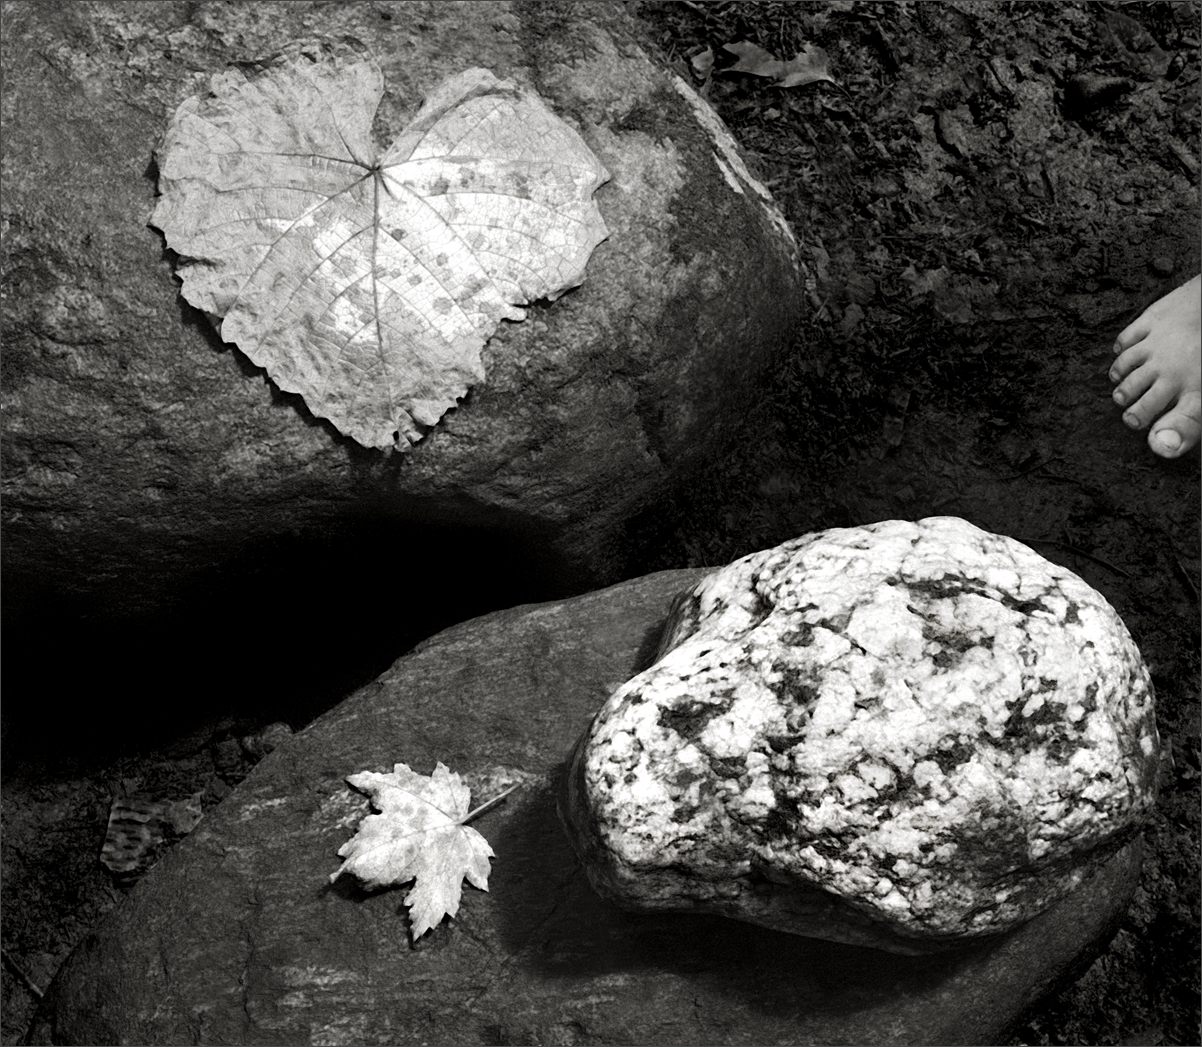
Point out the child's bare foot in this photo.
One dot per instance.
(1160, 370)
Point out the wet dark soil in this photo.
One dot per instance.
(985, 196)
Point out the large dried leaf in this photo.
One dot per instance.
(368, 282)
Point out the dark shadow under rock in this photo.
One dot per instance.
(238, 937)
(281, 631)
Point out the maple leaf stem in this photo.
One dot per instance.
(496, 799)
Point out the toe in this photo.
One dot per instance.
(1166, 442)
(1178, 430)
(1142, 395)
(1130, 360)
(1133, 334)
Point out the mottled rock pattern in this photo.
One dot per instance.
(137, 447)
(921, 725)
(237, 936)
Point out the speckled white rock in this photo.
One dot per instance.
(905, 735)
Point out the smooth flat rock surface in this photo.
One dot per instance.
(237, 936)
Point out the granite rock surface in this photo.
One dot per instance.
(905, 734)
(139, 448)
(237, 936)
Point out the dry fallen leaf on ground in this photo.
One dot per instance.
(809, 64)
(138, 828)
(368, 281)
(419, 835)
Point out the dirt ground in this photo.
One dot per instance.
(984, 197)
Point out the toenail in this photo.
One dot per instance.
(1120, 397)
(1130, 421)
(1169, 439)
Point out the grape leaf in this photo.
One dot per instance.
(368, 281)
(419, 835)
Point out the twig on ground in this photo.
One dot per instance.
(1183, 574)
(19, 974)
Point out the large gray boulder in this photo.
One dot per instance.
(238, 937)
(138, 447)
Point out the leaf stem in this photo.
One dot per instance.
(496, 799)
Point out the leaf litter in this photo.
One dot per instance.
(809, 65)
(138, 827)
(369, 280)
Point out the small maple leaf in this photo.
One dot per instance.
(419, 835)
(808, 65)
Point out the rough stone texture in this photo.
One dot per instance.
(904, 734)
(138, 447)
(237, 937)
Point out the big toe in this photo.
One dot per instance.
(1177, 430)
